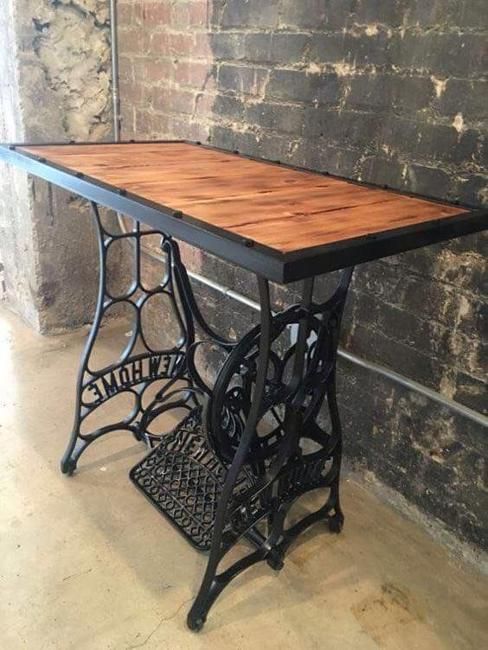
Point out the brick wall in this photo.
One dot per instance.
(388, 91)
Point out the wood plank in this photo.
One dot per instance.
(283, 208)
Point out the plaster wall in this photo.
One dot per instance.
(55, 88)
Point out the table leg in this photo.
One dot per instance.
(134, 371)
(284, 469)
(213, 583)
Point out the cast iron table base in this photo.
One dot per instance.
(251, 444)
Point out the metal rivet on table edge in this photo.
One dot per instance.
(79, 174)
(177, 214)
(248, 242)
(122, 192)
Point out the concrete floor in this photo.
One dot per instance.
(87, 563)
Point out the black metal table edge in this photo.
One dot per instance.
(261, 259)
(250, 255)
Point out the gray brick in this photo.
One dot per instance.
(429, 181)
(240, 79)
(252, 13)
(382, 170)
(388, 12)
(346, 128)
(429, 142)
(440, 53)
(307, 13)
(387, 92)
(471, 14)
(229, 107)
(329, 48)
(369, 50)
(289, 47)
(286, 119)
(227, 46)
(227, 138)
(257, 46)
(471, 392)
(294, 85)
(472, 189)
(468, 97)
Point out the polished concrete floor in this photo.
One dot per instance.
(87, 563)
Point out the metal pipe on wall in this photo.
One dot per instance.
(396, 377)
(115, 69)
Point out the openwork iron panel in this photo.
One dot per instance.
(183, 479)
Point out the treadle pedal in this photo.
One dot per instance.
(183, 478)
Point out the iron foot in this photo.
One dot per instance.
(336, 522)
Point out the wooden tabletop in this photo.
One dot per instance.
(282, 210)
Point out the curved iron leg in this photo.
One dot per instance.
(335, 521)
(77, 445)
(211, 586)
(133, 371)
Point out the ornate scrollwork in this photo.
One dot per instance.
(231, 397)
(141, 363)
(249, 445)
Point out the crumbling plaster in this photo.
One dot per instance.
(57, 59)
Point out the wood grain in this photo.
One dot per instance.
(285, 209)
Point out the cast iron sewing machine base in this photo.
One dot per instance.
(251, 444)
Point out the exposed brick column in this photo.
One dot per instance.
(55, 71)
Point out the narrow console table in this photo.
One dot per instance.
(268, 430)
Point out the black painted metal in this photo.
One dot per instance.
(183, 478)
(233, 468)
(260, 259)
(300, 456)
(140, 364)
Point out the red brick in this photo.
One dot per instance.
(192, 73)
(181, 44)
(198, 13)
(125, 13)
(157, 71)
(133, 92)
(156, 13)
(133, 41)
(205, 103)
(148, 123)
(159, 97)
(182, 102)
(202, 48)
(190, 129)
(125, 69)
(159, 43)
(172, 100)
(180, 14)
(127, 121)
